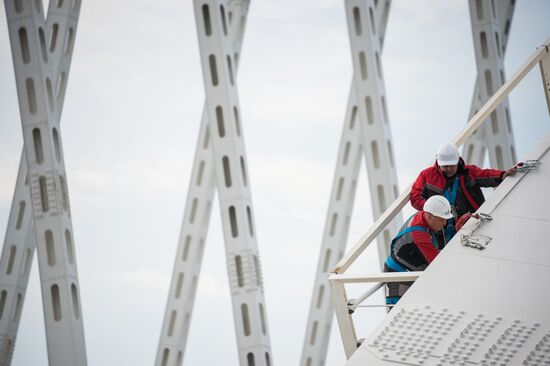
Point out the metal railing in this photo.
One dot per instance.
(344, 308)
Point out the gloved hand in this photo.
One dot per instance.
(462, 220)
(511, 171)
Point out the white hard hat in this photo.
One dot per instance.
(447, 155)
(438, 206)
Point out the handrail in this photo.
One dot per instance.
(388, 215)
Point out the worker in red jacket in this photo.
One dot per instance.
(460, 183)
(417, 244)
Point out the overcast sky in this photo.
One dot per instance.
(130, 124)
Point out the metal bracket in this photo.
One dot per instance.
(475, 241)
(527, 165)
(483, 217)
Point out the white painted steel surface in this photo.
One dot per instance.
(489, 47)
(233, 185)
(19, 244)
(480, 306)
(352, 144)
(541, 55)
(194, 228)
(40, 76)
(475, 148)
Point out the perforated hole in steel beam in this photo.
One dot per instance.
(38, 148)
(381, 198)
(326, 262)
(57, 146)
(18, 307)
(43, 48)
(38, 6)
(237, 121)
(250, 359)
(200, 173)
(250, 221)
(31, 95)
(24, 44)
(497, 40)
(220, 121)
(44, 199)
(313, 334)
(479, 9)
(357, 21)
(384, 108)
(11, 259)
(378, 66)
(64, 193)
(353, 117)
(230, 70)
(500, 158)
(18, 6)
(60, 84)
(49, 92)
(186, 246)
(489, 82)
(223, 19)
(165, 355)
(373, 25)
(56, 302)
(69, 246)
(59, 4)
(390, 153)
(50, 247)
(76, 303)
(172, 323)
(25, 269)
(206, 20)
(262, 318)
(239, 270)
(363, 65)
(375, 154)
(320, 295)
(226, 171)
(339, 189)
(346, 153)
(333, 223)
(243, 171)
(245, 319)
(213, 70)
(267, 359)
(69, 42)
(53, 37)
(179, 284)
(206, 140)
(370, 113)
(193, 212)
(20, 215)
(483, 44)
(3, 297)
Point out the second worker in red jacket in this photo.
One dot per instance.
(460, 183)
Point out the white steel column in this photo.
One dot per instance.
(243, 262)
(380, 173)
(485, 18)
(19, 244)
(474, 148)
(194, 228)
(40, 99)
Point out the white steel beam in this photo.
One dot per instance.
(232, 183)
(474, 148)
(19, 244)
(487, 33)
(35, 74)
(338, 218)
(194, 228)
(545, 73)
